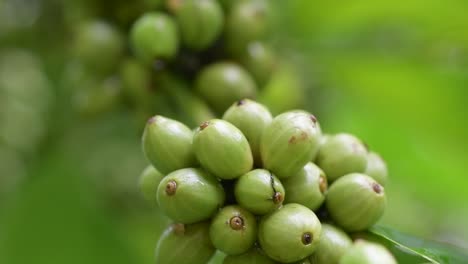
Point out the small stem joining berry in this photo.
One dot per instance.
(323, 185)
(377, 188)
(278, 198)
(204, 125)
(236, 223)
(171, 187)
(307, 238)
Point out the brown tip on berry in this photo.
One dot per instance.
(204, 125)
(278, 198)
(377, 188)
(241, 102)
(366, 146)
(236, 223)
(171, 187)
(152, 120)
(307, 238)
(323, 184)
(292, 140)
(313, 118)
(179, 229)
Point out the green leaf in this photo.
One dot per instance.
(409, 249)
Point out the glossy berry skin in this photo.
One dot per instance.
(364, 252)
(259, 191)
(376, 168)
(341, 154)
(167, 144)
(356, 202)
(185, 244)
(308, 187)
(154, 36)
(290, 233)
(251, 118)
(200, 21)
(222, 149)
(149, 182)
(223, 83)
(290, 141)
(190, 195)
(333, 244)
(233, 230)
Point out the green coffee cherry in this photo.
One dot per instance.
(308, 187)
(290, 233)
(99, 46)
(185, 244)
(364, 252)
(247, 21)
(289, 143)
(251, 118)
(154, 36)
(260, 61)
(284, 91)
(190, 195)
(149, 182)
(233, 230)
(200, 21)
(167, 144)
(376, 168)
(222, 149)
(259, 191)
(223, 83)
(253, 256)
(356, 202)
(341, 154)
(333, 244)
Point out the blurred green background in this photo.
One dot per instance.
(392, 72)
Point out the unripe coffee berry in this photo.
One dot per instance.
(290, 233)
(341, 154)
(356, 202)
(376, 168)
(223, 83)
(259, 191)
(364, 252)
(154, 36)
(200, 21)
(333, 243)
(190, 195)
(167, 144)
(308, 187)
(222, 149)
(289, 143)
(233, 230)
(149, 182)
(185, 244)
(251, 118)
